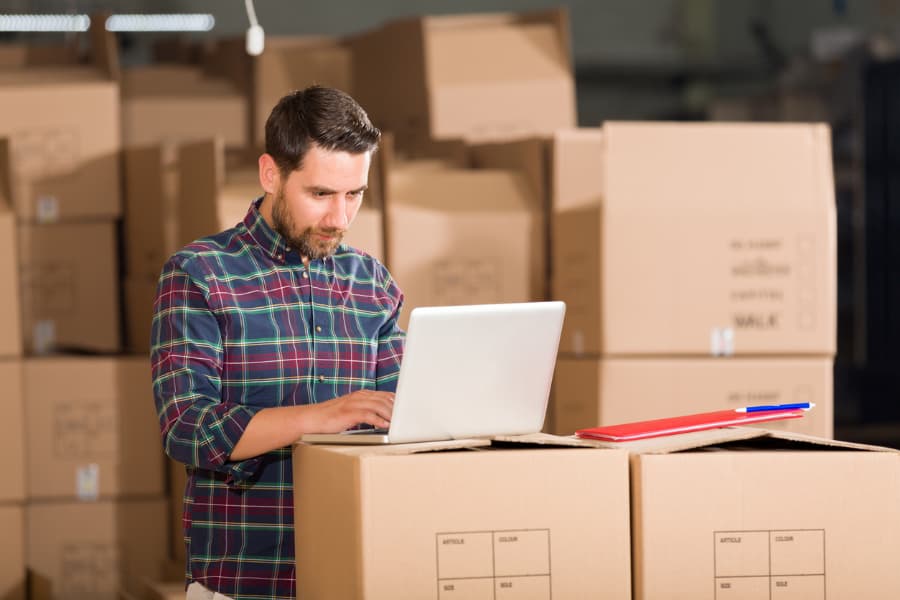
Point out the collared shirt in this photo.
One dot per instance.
(241, 324)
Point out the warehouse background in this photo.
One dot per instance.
(682, 61)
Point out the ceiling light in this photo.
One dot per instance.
(185, 22)
(44, 22)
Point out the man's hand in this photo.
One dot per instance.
(281, 426)
(361, 406)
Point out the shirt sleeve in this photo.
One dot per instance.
(197, 427)
(390, 340)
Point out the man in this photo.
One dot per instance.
(267, 331)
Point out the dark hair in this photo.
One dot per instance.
(326, 117)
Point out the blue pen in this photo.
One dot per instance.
(765, 407)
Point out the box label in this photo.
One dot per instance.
(507, 564)
(770, 564)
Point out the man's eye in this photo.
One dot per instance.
(321, 194)
(357, 195)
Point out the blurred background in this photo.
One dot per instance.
(122, 139)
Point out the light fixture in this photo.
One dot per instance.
(173, 22)
(255, 41)
(44, 22)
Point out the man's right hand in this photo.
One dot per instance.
(361, 406)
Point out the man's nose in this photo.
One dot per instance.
(336, 217)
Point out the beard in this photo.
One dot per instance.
(307, 242)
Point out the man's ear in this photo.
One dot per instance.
(269, 175)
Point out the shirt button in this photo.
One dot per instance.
(318, 329)
(305, 276)
(321, 378)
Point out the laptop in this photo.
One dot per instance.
(470, 371)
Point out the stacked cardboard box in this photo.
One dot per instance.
(12, 492)
(59, 160)
(95, 484)
(699, 271)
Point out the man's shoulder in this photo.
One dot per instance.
(360, 262)
(213, 248)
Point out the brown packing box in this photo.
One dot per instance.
(61, 152)
(12, 552)
(606, 391)
(10, 307)
(438, 520)
(70, 287)
(175, 104)
(151, 196)
(531, 157)
(422, 77)
(459, 236)
(177, 476)
(709, 239)
(91, 428)
(745, 513)
(140, 292)
(94, 549)
(12, 442)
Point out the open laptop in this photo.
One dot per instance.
(470, 371)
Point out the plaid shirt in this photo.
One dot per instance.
(240, 324)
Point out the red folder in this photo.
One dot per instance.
(658, 427)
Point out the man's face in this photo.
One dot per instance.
(314, 206)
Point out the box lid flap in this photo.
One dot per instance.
(700, 439)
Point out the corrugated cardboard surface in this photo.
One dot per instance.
(150, 227)
(91, 428)
(420, 77)
(12, 442)
(765, 518)
(459, 236)
(12, 552)
(93, 549)
(64, 133)
(158, 107)
(70, 287)
(10, 307)
(531, 522)
(139, 296)
(532, 158)
(710, 239)
(605, 391)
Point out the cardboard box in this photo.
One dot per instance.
(140, 294)
(745, 513)
(710, 239)
(177, 104)
(12, 442)
(61, 149)
(12, 552)
(177, 476)
(150, 224)
(437, 520)
(91, 428)
(70, 287)
(532, 158)
(10, 307)
(421, 77)
(94, 549)
(605, 391)
(459, 236)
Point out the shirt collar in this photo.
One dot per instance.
(262, 233)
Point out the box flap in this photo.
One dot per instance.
(403, 449)
(726, 435)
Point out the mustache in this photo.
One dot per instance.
(331, 231)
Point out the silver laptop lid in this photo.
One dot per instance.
(476, 370)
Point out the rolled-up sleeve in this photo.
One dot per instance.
(197, 427)
(390, 339)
